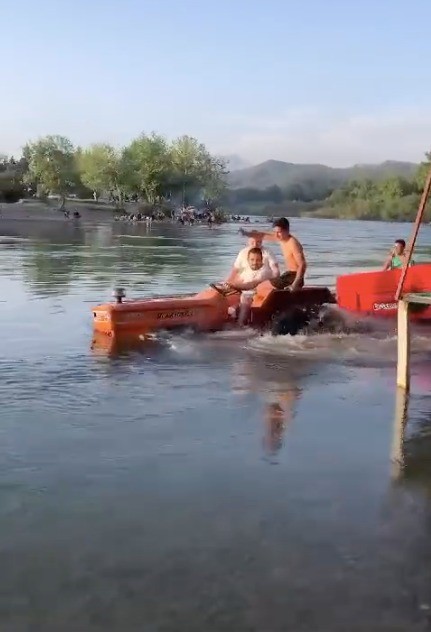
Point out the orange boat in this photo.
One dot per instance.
(373, 293)
(210, 310)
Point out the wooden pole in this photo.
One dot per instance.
(403, 366)
(400, 420)
(412, 242)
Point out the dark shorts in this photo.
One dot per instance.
(284, 280)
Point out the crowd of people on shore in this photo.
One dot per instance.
(186, 216)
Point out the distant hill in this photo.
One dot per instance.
(284, 174)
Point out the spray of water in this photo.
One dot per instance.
(334, 337)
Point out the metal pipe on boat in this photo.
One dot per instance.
(119, 293)
(411, 246)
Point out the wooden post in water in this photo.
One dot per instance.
(412, 243)
(400, 420)
(403, 366)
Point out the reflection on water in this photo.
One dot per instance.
(413, 441)
(280, 390)
(214, 482)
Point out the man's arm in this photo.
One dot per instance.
(298, 254)
(257, 234)
(232, 275)
(387, 264)
(240, 285)
(272, 262)
(245, 285)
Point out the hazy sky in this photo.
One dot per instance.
(331, 81)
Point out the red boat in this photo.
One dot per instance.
(373, 293)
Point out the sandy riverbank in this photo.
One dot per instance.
(35, 219)
(30, 210)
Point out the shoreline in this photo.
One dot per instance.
(33, 212)
(38, 211)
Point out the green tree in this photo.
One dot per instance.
(294, 192)
(274, 194)
(393, 199)
(51, 165)
(423, 171)
(101, 170)
(361, 189)
(188, 158)
(393, 188)
(147, 165)
(212, 177)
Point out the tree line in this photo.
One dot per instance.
(150, 169)
(393, 199)
(155, 170)
(308, 190)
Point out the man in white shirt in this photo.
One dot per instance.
(248, 279)
(241, 262)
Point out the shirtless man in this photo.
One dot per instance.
(292, 252)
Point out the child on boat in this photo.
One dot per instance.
(397, 256)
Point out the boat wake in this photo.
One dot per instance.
(351, 348)
(364, 345)
(334, 338)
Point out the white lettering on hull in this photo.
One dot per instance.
(377, 307)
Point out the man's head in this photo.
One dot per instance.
(255, 258)
(255, 242)
(281, 228)
(399, 247)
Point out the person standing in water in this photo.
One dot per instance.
(293, 254)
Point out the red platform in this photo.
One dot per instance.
(373, 293)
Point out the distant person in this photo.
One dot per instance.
(293, 254)
(397, 256)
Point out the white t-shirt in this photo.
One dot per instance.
(269, 261)
(246, 275)
(263, 274)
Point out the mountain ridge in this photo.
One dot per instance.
(284, 174)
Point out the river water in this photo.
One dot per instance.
(203, 483)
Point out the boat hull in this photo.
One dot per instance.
(206, 311)
(373, 293)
